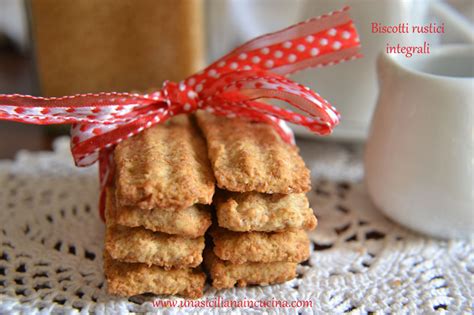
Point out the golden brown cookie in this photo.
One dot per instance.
(164, 167)
(250, 156)
(244, 212)
(126, 279)
(239, 248)
(138, 245)
(225, 274)
(190, 222)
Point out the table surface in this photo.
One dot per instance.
(360, 262)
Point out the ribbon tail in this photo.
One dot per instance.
(106, 176)
(322, 41)
(246, 88)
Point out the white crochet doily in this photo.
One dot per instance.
(52, 238)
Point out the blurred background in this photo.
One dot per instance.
(63, 47)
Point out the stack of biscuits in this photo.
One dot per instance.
(258, 236)
(157, 213)
(158, 210)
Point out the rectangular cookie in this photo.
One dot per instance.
(164, 167)
(126, 279)
(245, 212)
(189, 222)
(251, 156)
(138, 245)
(225, 274)
(239, 248)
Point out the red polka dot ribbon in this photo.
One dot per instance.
(231, 87)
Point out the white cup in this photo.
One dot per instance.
(419, 155)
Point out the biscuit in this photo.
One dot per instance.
(190, 222)
(164, 167)
(250, 156)
(244, 212)
(239, 248)
(126, 279)
(138, 245)
(225, 274)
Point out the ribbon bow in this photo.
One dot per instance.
(230, 86)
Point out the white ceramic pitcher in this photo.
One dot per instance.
(419, 155)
